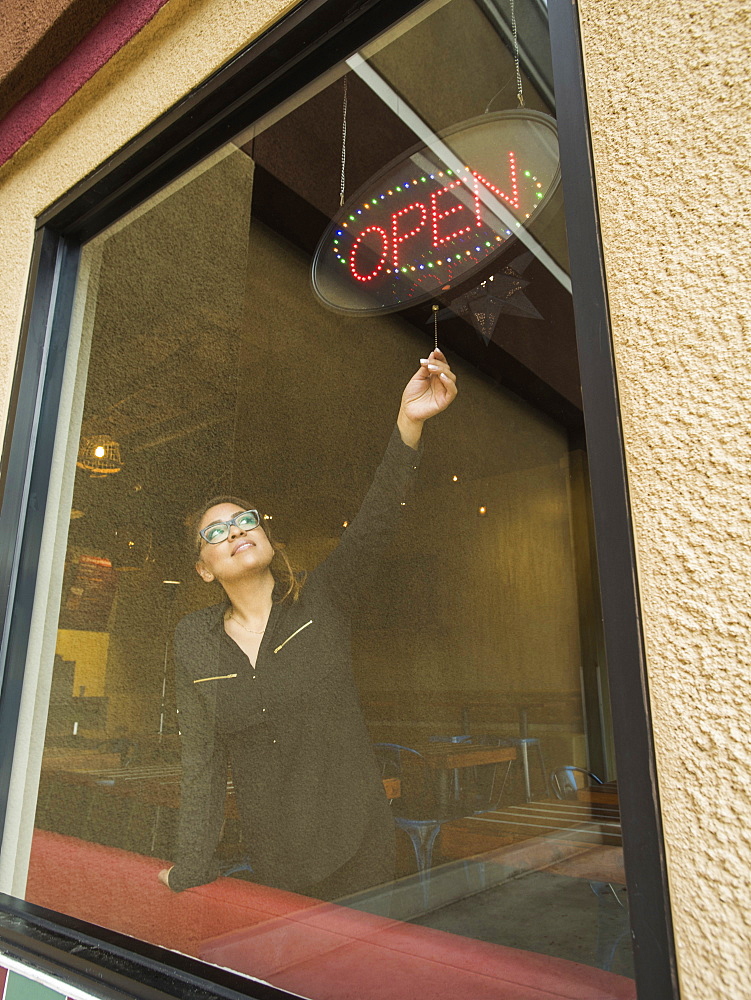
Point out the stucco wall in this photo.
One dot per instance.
(36, 35)
(668, 86)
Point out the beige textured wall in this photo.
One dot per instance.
(183, 44)
(37, 35)
(668, 87)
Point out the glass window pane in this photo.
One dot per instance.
(368, 722)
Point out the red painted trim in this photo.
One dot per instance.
(116, 28)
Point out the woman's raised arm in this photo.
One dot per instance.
(349, 570)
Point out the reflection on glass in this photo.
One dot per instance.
(438, 218)
(370, 731)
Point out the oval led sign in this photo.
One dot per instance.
(434, 220)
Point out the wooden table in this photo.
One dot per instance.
(449, 758)
(606, 795)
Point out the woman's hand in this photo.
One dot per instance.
(163, 876)
(430, 390)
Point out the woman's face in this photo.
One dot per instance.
(244, 551)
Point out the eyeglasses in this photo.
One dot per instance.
(219, 530)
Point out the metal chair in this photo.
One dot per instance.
(416, 810)
(563, 780)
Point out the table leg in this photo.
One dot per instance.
(445, 781)
(525, 768)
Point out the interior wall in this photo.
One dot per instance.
(88, 650)
(467, 606)
(668, 92)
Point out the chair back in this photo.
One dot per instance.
(566, 781)
(418, 794)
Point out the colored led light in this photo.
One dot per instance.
(399, 238)
(384, 252)
(437, 216)
(512, 199)
(442, 206)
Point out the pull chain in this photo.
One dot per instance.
(519, 91)
(344, 141)
(435, 325)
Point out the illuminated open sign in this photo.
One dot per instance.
(434, 220)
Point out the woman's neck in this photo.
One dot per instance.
(251, 597)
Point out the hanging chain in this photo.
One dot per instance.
(519, 91)
(435, 325)
(344, 141)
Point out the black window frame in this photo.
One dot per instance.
(313, 36)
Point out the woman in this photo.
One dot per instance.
(265, 685)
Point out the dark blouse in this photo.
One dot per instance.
(312, 790)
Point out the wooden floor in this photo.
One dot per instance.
(584, 824)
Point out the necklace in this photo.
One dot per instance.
(244, 627)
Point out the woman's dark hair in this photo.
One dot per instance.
(281, 568)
